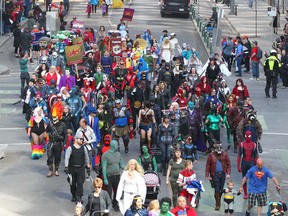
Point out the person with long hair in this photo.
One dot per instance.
(175, 165)
(131, 183)
(99, 200)
(137, 208)
(240, 90)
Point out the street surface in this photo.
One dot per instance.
(25, 190)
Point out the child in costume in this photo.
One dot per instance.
(229, 194)
(89, 9)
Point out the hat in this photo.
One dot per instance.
(184, 45)
(255, 42)
(38, 94)
(78, 135)
(172, 34)
(92, 110)
(273, 51)
(245, 37)
(117, 101)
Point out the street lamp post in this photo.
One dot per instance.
(256, 18)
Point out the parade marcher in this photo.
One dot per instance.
(118, 79)
(240, 90)
(145, 122)
(247, 157)
(137, 207)
(192, 79)
(112, 164)
(76, 159)
(122, 123)
(186, 175)
(93, 122)
(250, 123)
(212, 71)
(257, 185)
(217, 168)
(175, 165)
(38, 101)
(67, 81)
(136, 97)
(204, 86)
(227, 51)
(57, 139)
(182, 208)
(154, 208)
(103, 117)
(229, 195)
(272, 67)
(98, 201)
(165, 205)
(189, 150)
(239, 57)
(145, 85)
(24, 75)
(75, 103)
(165, 140)
(163, 95)
(166, 50)
(26, 96)
(166, 75)
(131, 183)
(147, 160)
(88, 95)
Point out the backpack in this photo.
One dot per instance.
(259, 54)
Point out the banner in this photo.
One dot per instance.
(73, 54)
(116, 45)
(128, 14)
(78, 25)
(78, 41)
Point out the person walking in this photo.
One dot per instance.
(239, 57)
(24, 74)
(76, 159)
(272, 67)
(217, 167)
(255, 61)
(257, 185)
(227, 51)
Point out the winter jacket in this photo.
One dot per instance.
(212, 161)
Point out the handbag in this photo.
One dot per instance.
(89, 146)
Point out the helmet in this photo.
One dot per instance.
(273, 51)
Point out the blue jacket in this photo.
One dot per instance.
(141, 212)
(95, 127)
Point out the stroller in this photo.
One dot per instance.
(153, 183)
(276, 208)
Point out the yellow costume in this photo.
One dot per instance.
(117, 4)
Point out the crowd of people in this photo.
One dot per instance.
(157, 89)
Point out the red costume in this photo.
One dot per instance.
(57, 108)
(180, 98)
(106, 141)
(205, 87)
(247, 157)
(130, 79)
(87, 92)
(108, 88)
(181, 211)
(50, 77)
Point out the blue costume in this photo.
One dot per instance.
(142, 66)
(106, 63)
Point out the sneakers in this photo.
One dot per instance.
(257, 79)
(252, 78)
(247, 212)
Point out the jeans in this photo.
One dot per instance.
(255, 68)
(228, 59)
(238, 63)
(23, 80)
(219, 181)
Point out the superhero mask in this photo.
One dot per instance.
(251, 116)
(248, 135)
(114, 146)
(218, 148)
(191, 105)
(107, 84)
(107, 139)
(55, 120)
(180, 92)
(73, 92)
(198, 91)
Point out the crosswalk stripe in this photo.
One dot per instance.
(262, 122)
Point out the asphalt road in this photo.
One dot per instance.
(25, 190)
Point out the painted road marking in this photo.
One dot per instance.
(262, 122)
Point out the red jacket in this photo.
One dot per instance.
(211, 164)
(189, 211)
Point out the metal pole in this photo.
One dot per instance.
(1, 20)
(198, 3)
(256, 18)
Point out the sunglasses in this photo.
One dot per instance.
(98, 187)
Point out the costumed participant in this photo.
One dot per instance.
(150, 61)
(175, 119)
(240, 90)
(36, 131)
(178, 71)
(88, 95)
(145, 121)
(145, 85)
(76, 159)
(211, 100)
(38, 101)
(52, 89)
(250, 123)
(198, 99)
(100, 78)
(182, 208)
(204, 86)
(65, 94)
(56, 60)
(165, 205)
(141, 67)
(164, 95)
(75, 103)
(213, 129)
(166, 50)
(189, 150)
(118, 79)
(185, 180)
(247, 157)
(51, 75)
(137, 207)
(67, 118)
(157, 115)
(106, 62)
(57, 107)
(26, 96)
(112, 164)
(147, 160)
(93, 122)
(103, 148)
(229, 195)
(180, 98)
(212, 71)
(122, 123)
(103, 117)
(218, 167)
(67, 81)
(90, 62)
(193, 79)
(136, 97)
(131, 183)
(165, 139)
(129, 82)
(166, 75)
(57, 139)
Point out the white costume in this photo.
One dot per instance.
(166, 52)
(130, 187)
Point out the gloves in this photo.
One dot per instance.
(66, 170)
